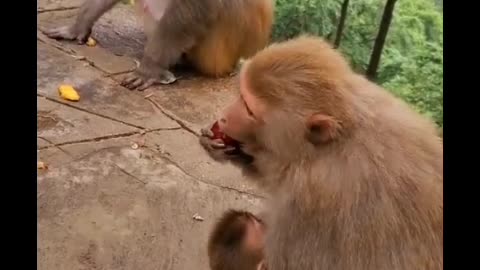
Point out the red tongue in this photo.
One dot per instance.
(217, 134)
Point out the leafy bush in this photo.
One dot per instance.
(305, 16)
(412, 60)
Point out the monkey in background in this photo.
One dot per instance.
(237, 242)
(354, 175)
(212, 35)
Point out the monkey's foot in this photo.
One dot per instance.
(68, 33)
(139, 82)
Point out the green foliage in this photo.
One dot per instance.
(297, 16)
(419, 80)
(412, 61)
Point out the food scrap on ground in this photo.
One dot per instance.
(91, 42)
(41, 165)
(197, 217)
(68, 92)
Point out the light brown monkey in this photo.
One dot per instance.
(237, 242)
(212, 34)
(355, 175)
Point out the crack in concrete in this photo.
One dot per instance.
(159, 153)
(173, 117)
(89, 112)
(110, 75)
(182, 123)
(193, 177)
(55, 44)
(96, 139)
(106, 137)
(44, 10)
(52, 144)
(92, 153)
(129, 174)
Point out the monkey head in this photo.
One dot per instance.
(290, 99)
(237, 242)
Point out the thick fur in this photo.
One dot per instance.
(243, 28)
(225, 250)
(372, 197)
(213, 34)
(224, 30)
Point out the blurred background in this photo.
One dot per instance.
(409, 63)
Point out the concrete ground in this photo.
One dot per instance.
(103, 203)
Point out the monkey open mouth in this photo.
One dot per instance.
(236, 146)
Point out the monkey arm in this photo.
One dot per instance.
(92, 10)
(89, 13)
(177, 31)
(163, 49)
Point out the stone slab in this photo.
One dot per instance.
(183, 148)
(98, 94)
(119, 35)
(42, 143)
(52, 157)
(45, 5)
(120, 208)
(59, 124)
(197, 100)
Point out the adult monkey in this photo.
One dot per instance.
(212, 34)
(355, 175)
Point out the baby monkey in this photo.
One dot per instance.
(237, 242)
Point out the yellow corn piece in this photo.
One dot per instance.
(67, 92)
(41, 165)
(91, 42)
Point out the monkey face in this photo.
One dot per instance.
(251, 121)
(238, 121)
(244, 116)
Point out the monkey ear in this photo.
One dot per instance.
(321, 128)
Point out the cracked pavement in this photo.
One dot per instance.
(103, 202)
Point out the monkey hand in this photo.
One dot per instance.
(216, 147)
(70, 32)
(145, 77)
